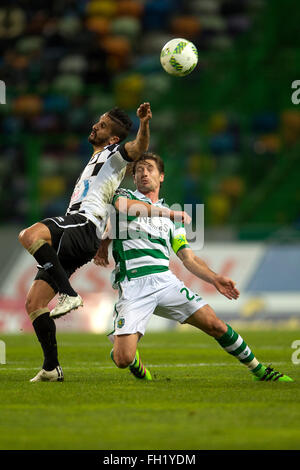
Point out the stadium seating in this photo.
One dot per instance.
(66, 63)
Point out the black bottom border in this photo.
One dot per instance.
(141, 458)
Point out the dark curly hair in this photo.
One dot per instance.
(121, 123)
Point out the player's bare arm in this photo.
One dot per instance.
(137, 208)
(200, 269)
(101, 257)
(140, 144)
(143, 209)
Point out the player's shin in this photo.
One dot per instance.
(234, 344)
(47, 257)
(45, 330)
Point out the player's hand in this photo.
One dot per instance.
(144, 112)
(101, 257)
(226, 287)
(180, 216)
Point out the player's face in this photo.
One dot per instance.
(147, 176)
(101, 133)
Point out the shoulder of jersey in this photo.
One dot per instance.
(107, 149)
(124, 192)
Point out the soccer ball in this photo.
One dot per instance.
(179, 57)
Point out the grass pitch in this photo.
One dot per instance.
(200, 398)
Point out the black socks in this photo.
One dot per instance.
(45, 330)
(47, 257)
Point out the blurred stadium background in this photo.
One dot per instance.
(229, 134)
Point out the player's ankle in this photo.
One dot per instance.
(70, 292)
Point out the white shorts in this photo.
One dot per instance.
(161, 294)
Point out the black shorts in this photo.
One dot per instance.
(75, 240)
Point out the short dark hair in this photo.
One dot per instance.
(150, 156)
(121, 123)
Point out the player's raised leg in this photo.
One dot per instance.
(125, 354)
(37, 241)
(206, 320)
(39, 295)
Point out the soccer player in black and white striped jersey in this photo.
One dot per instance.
(60, 245)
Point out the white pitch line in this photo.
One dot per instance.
(172, 346)
(200, 364)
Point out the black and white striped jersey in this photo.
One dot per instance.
(98, 182)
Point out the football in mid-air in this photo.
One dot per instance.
(179, 57)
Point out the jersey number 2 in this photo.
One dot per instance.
(184, 289)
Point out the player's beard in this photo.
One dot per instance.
(97, 141)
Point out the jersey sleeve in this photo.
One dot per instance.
(121, 148)
(121, 192)
(178, 238)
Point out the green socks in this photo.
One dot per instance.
(138, 369)
(234, 344)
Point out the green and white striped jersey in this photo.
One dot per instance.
(142, 245)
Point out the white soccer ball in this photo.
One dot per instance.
(179, 57)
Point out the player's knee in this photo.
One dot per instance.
(29, 305)
(32, 304)
(23, 237)
(26, 237)
(30, 235)
(123, 359)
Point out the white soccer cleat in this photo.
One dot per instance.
(65, 304)
(55, 375)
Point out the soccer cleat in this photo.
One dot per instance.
(65, 304)
(55, 375)
(138, 369)
(270, 375)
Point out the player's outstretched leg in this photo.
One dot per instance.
(206, 320)
(234, 344)
(136, 367)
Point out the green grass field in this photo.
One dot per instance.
(200, 398)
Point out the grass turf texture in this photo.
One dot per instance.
(200, 398)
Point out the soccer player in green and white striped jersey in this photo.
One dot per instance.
(146, 232)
